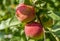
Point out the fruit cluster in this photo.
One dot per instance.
(26, 13)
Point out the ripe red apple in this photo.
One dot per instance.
(34, 30)
(25, 13)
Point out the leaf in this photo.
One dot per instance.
(1, 35)
(54, 16)
(21, 1)
(14, 21)
(47, 39)
(56, 29)
(15, 38)
(58, 23)
(2, 13)
(27, 2)
(54, 35)
(50, 37)
(31, 40)
(4, 24)
(57, 33)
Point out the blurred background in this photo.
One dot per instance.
(13, 30)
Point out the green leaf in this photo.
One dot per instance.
(47, 39)
(54, 16)
(56, 29)
(2, 13)
(4, 24)
(14, 21)
(1, 35)
(15, 39)
(31, 40)
(27, 2)
(21, 1)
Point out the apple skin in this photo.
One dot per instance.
(34, 30)
(25, 13)
(46, 20)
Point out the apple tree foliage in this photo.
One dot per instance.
(47, 12)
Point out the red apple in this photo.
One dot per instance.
(25, 13)
(34, 30)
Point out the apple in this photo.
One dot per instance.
(46, 20)
(25, 13)
(34, 30)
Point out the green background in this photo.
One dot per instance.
(11, 29)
